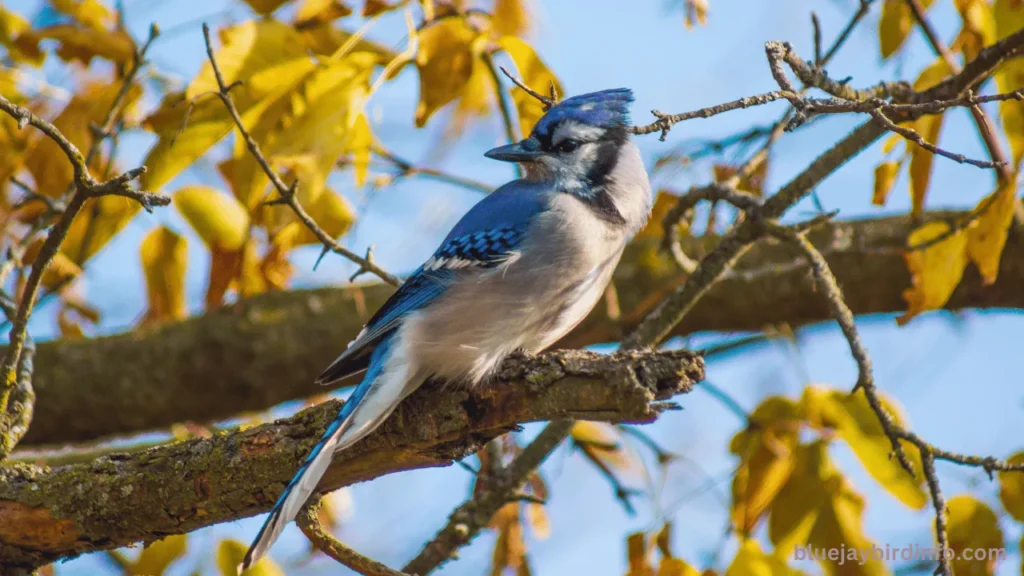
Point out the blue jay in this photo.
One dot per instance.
(519, 271)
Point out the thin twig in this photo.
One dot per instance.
(894, 431)
(468, 519)
(407, 168)
(87, 187)
(309, 522)
(286, 193)
(939, 503)
(913, 136)
(665, 121)
(986, 129)
(546, 101)
(826, 282)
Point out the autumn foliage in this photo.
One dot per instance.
(300, 74)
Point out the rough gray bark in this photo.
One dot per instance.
(119, 499)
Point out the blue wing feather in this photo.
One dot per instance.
(485, 237)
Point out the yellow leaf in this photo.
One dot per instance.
(537, 518)
(360, 144)
(70, 329)
(663, 202)
(225, 268)
(603, 442)
(663, 540)
(510, 17)
(83, 44)
(155, 558)
(987, 235)
(535, 74)
(979, 28)
(1011, 489)
(61, 269)
(798, 504)
(275, 267)
(265, 7)
(893, 26)
(765, 449)
(374, 7)
(320, 12)
(891, 143)
(230, 554)
(750, 560)
(217, 218)
(82, 308)
(268, 56)
(11, 27)
(445, 63)
(247, 49)
(326, 39)
(93, 13)
(510, 546)
(676, 567)
(164, 257)
(885, 177)
(929, 127)
(817, 511)
(973, 527)
(636, 553)
(1020, 546)
(99, 221)
(332, 213)
(696, 13)
(852, 417)
(428, 10)
(753, 183)
(935, 271)
(1009, 18)
(321, 130)
(476, 99)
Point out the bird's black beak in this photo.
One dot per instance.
(526, 151)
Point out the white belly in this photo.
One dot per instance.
(528, 304)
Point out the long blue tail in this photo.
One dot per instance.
(388, 380)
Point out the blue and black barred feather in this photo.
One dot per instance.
(481, 249)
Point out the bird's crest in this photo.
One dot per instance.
(607, 109)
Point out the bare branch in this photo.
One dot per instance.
(939, 503)
(468, 519)
(547, 101)
(913, 136)
(309, 522)
(665, 121)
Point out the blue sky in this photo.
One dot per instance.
(954, 376)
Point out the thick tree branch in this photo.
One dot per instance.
(268, 349)
(52, 513)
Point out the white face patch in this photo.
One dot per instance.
(577, 131)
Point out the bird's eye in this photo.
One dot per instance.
(567, 146)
